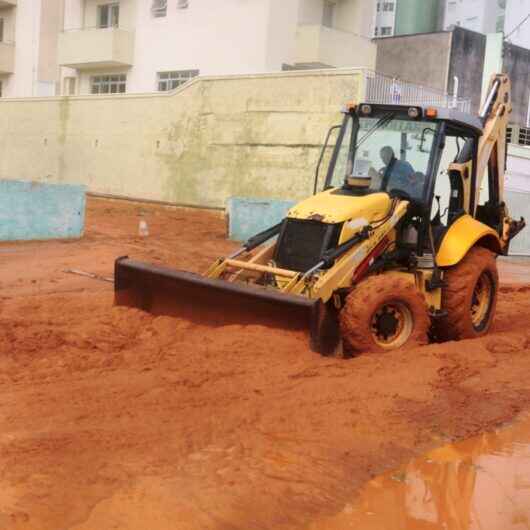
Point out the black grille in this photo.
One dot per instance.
(301, 243)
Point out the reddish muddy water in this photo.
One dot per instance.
(479, 484)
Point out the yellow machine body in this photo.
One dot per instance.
(461, 236)
(301, 281)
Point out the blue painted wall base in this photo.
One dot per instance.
(30, 210)
(248, 217)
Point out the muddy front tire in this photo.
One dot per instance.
(382, 313)
(470, 296)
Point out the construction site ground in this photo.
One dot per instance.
(111, 418)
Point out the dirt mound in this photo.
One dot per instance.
(113, 418)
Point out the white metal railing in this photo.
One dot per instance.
(380, 88)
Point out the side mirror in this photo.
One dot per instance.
(322, 153)
(424, 137)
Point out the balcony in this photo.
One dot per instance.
(320, 45)
(8, 3)
(96, 48)
(7, 58)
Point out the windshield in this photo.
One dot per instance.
(393, 153)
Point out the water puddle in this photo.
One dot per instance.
(479, 484)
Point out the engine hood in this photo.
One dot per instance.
(332, 207)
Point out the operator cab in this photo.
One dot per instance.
(398, 150)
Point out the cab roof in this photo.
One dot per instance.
(451, 116)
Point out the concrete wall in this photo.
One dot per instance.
(434, 59)
(519, 204)
(516, 64)
(30, 210)
(420, 59)
(467, 63)
(332, 47)
(518, 169)
(517, 194)
(355, 16)
(248, 217)
(247, 136)
(310, 12)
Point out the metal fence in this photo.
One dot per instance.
(384, 89)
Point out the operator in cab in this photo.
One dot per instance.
(399, 174)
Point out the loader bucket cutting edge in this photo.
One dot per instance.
(163, 291)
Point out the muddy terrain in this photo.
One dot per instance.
(114, 419)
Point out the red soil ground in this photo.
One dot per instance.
(114, 419)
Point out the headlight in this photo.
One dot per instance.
(366, 109)
(414, 113)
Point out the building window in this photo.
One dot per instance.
(388, 6)
(108, 84)
(183, 4)
(524, 136)
(172, 80)
(109, 16)
(1, 30)
(376, 32)
(159, 8)
(386, 30)
(378, 7)
(327, 14)
(1, 89)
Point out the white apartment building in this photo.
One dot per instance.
(492, 16)
(517, 22)
(29, 31)
(385, 19)
(75, 47)
(483, 16)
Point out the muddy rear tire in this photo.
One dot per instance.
(382, 313)
(470, 297)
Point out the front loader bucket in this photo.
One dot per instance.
(164, 291)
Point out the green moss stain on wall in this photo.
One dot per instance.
(64, 118)
(246, 136)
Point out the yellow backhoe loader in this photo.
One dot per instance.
(401, 243)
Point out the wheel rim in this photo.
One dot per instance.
(392, 325)
(481, 301)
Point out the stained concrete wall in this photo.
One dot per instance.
(31, 210)
(434, 59)
(247, 136)
(248, 217)
(420, 59)
(467, 63)
(516, 64)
